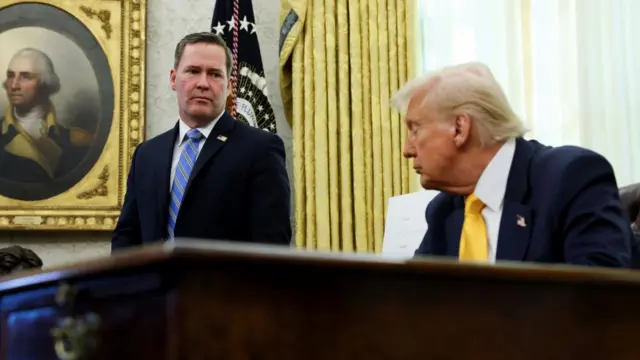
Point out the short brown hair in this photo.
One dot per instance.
(203, 37)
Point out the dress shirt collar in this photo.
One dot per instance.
(205, 130)
(492, 184)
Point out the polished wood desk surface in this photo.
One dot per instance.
(205, 251)
(214, 300)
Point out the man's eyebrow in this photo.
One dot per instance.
(20, 72)
(201, 68)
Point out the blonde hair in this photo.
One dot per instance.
(467, 89)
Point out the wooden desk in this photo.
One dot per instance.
(204, 300)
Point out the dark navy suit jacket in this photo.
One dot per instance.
(238, 189)
(568, 199)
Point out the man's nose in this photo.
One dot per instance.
(203, 81)
(14, 83)
(408, 151)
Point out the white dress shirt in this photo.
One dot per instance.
(183, 129)
(491, 188)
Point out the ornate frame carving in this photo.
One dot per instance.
(95, 200)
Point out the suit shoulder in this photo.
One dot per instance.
(568, 168)
(253, 131)
(255, 135)
(562, 157)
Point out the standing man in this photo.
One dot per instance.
(210, 177)
(503, 197)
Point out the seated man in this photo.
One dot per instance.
(503, 197)
(16, 258)
(630, 197)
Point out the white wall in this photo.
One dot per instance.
(167, 22)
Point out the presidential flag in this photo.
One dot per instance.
(249, 98)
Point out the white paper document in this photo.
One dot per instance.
(405, 223)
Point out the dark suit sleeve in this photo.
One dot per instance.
(127, 231)
(270, 195)
(596, 230)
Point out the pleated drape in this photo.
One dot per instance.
(341, 60)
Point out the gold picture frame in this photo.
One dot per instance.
(67, 133)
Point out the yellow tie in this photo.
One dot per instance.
(473, 242)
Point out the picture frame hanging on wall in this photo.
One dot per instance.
(71, 110)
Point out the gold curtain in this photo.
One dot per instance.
(341, 60)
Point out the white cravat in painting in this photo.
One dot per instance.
(406, 224)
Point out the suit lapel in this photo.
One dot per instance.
(517, 218)
(216, 140)
(453, 225)
(163, 174)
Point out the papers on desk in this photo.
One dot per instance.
(405, 224)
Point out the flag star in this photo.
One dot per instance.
(231, 24)
(244, 24)
(250, 93)
(266, 116)
(219, 29)
(253, 28)
(243, 90)
(260, 108)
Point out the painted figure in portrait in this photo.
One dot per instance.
(72, 78)
(57, 103)
(34, 146)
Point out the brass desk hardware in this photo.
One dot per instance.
(75, 338)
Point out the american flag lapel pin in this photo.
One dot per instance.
(222, 138)
(520, 221)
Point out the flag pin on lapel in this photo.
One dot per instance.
(222, 138)
(520, 221)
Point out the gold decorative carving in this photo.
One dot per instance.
(99, 190)
(103, 15)
(120, 34)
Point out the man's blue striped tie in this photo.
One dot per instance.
(182, 173)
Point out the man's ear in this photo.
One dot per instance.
(462, 130)
(172, 79)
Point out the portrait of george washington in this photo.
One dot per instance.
(56, 106)
(34, 146)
